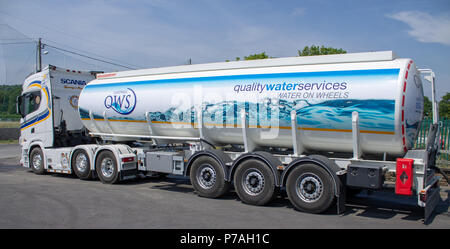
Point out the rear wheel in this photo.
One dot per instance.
(37, 161)
(106, 167)
(254, 182)
(310, 188)
(207, 177)
(81, 165)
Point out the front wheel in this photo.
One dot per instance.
(310, 188)
(106, 167)
(37, 161)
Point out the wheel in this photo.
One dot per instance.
(81, 165)
(310, 188)
(106, 167)
(254, 182)
(207, 177)
(37, 161)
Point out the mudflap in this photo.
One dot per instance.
(432, 198)
(342, 197)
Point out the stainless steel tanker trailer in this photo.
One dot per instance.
(316, 127)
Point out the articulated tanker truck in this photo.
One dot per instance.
(317, 127)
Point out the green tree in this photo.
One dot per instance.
(427, 106)
(8, 95)
(256, 56)
(253, 57)
(322, 50)
(444, 106)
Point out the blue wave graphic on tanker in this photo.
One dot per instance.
(411, 131)
(335, 114)
(123, 101)
(375, 115)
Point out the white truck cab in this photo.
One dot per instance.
(49, 109)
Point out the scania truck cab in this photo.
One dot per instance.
(48, 106)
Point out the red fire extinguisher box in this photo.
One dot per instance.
(404, 175)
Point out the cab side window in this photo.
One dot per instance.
(31, 102)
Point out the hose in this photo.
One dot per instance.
(210, 144)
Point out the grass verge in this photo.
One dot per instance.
(9, 124)
(9, 141)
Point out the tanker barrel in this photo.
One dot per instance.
(299, 106)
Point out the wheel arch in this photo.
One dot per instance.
(331, 167)
(99, 151)
(31, 148)
(263, 156)
(222, 158)
(116, 149)
(89, 149)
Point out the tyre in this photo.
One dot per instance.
(106, 167)
(37, 161)
(207, 177)
(254, 182)
(310, 188)
(81, 165)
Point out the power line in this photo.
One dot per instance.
(11, 43)
(77, 60)
(14, 39)
(60, 32)
(97, 55)
(10, 28)
(92, 58)
(25, 65)
(46, 27)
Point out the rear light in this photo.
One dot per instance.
(127, 159)
(423, 196)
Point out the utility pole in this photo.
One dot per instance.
(39, 56)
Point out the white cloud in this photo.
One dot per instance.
(426, 27)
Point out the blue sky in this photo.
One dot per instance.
(157, 33)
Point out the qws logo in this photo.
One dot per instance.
(123, 101)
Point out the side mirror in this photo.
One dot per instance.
(19, 105)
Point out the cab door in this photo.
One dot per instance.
(35, 108)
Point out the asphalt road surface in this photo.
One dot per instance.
(61, 201)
